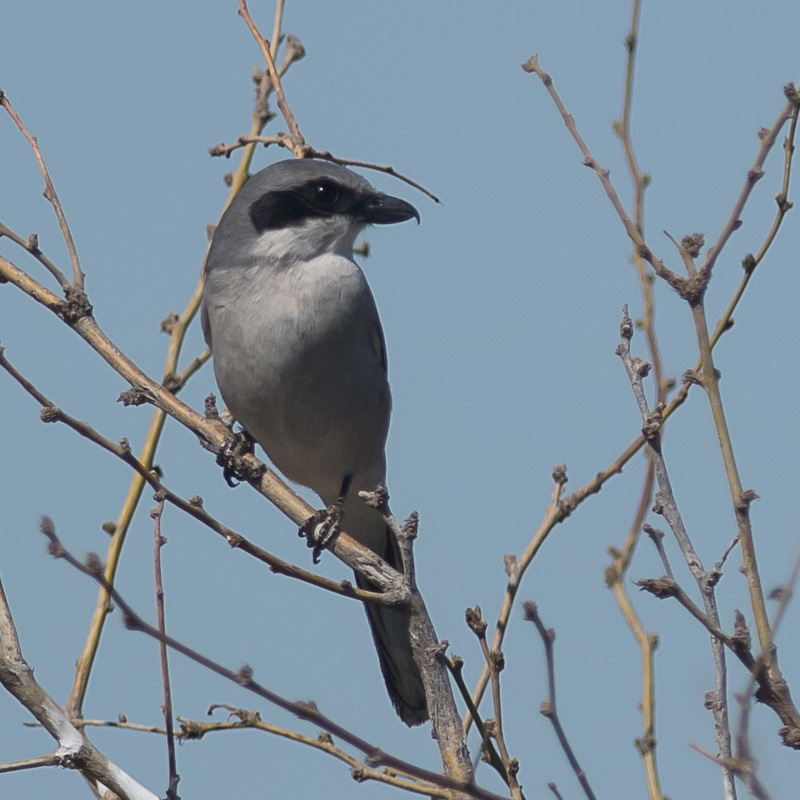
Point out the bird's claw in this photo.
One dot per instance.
(321, 528)
(235, 469)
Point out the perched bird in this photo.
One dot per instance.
(300, 360)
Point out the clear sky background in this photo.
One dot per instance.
(501, 313)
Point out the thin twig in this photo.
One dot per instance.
(50, 760)
(389, 170)
(768, 137)
(360, 771)
(31, 245)
(741, 500)
(634, 234)
(556, 511)
(495, 662)
(282, 140)
(175, 382)
(549, 708)
(298, 142)
(159, 541)
(640, 183)
(648, 642)
(615, 576)
(489, 752)
(616, 573)
(50, 194)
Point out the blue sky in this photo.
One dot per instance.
(501, 313)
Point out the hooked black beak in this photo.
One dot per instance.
(383, 209)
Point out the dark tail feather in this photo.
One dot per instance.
(390, 633)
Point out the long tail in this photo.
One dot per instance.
(390, 633)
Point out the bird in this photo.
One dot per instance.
(300, 360)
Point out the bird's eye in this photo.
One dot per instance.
(326, 194)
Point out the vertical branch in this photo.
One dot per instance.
(617, 571)
(741, 499)
(647, 646)
(549, 708)
(741, 504)
(427, 650)
(495, 664)
(616, 580)
(666, 505)
(160, 541)
(640, 182)
(298, 142)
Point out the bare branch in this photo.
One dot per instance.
(157, 513)
(50, 195)
(636, 370)
(194, 505)
(243, 677)
(31, 245)
(298, 142)
(549, 707)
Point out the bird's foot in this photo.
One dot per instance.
(321, 528)
(230, 457)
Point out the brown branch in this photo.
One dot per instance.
(495, 663)
(754, 174)
(615, 576)
(360, 770)
(634, 234)
(31, 245)
(389, 170)
(774, 692)
(666, 505)
(557, 511)
(489, 752)
(549, 708)
(427, 650)
(157, 513)
(282, 140)
(298, 142)
(50, 195)
(193, 506)
(243, 677)
(74, 750)
(50, 760)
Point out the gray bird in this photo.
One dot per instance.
(300, 360)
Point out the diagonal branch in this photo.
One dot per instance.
(50, 194)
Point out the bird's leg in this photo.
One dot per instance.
(322, 527)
